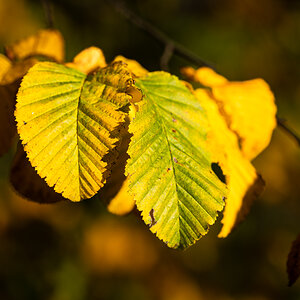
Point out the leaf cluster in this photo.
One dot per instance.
(133, 137)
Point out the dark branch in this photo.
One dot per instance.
(167, 55)
(48, 13)
(171, 47)
(157, 34)
(282, 123)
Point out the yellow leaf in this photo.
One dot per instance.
(68, 123)
(5, 65)
(88, 60)
(205, 76)
(123, 203)
(241, 177)
(248, 107)
(48, 43)
(137, 69)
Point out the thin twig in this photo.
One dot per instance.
(157, 34)
(171, 47)
(48, 13)
(165, 58)
(282, 123)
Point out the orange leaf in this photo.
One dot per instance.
(48, 43)
(243, 183)
(248, 108)
(88, 60)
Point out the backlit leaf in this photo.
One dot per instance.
(244, 184)
(248, 107)
(68, 124)
(48, 43)
(169, 169)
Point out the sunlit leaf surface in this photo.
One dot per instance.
(169, 169)
(68, 124)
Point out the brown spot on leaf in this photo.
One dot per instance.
(173, 130)
(153, 221)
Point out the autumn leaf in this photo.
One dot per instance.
(293, 262)
(123, 203)
(28, 183)
(48, 43)
(247, 106)
(5, 65)
(244, 184)
(169, 168)
(88, 60)
(68, 123)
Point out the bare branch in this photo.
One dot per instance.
(167, 55)
(283, 124)
(48, 13)
(172, 47)
(157, 34)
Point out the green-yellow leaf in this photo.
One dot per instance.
(68, 122)
(169, 168)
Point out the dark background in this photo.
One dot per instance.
(80, 251)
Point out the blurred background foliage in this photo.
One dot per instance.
(78, 250)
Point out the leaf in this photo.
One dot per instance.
(293, 262)
(169, 168)
(48, 43)
(28, 183)
(248, 107)
(204, 75)
(244, 184)
(68, 124)
(5, 65)
(137, 69)
(88, 60)
(123, 203)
